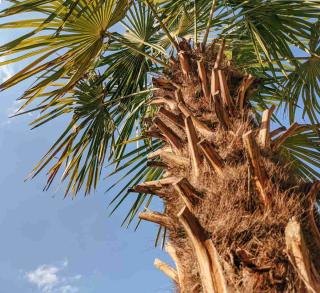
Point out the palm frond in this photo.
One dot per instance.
(97, 74)
(67, 41)
(81, 149)
(303, 151)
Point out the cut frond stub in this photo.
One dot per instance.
(299, 256)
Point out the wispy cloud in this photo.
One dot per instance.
(13, 109)
(68, 289)
(52, 279)
(6, 71)
(45, 277)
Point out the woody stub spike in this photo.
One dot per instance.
(155, 187)
(219, 58)
(172, 117)
(193, 147)
(216, 90)
(260, 176)
(213, 158)
(224, 89)
(203, 78)
(310, 212)
(187, 193)
(165, 101)
(160, 183)
(157, 218)
(300, 257)
(264, 133)
(215, 86)
(219, 280)
(277, 131)
(157, 164)
(179, 267)
(170, 159)
(185, 63)
(158, 152)
(283, 137)
(168, 133)
(221, 112)
(197, 238)
(200, 126)
(243, 89)
(167, 270)
(211, 272)
(220, 78)
(149, 190)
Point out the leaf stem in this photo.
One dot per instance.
(174, 43)
(195, 22)
(213, 9)
(141, 52)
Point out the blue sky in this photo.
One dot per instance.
(55, 245)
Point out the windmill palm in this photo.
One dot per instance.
(196, 85)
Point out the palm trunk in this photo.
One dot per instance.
(238, 217)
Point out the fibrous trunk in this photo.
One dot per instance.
(239, 220)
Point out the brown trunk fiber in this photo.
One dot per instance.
(239, 219)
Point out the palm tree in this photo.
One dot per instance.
(184, 98)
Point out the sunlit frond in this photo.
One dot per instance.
(92, 63)
(66, 43)
(303, 151)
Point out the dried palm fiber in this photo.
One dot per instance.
(234, 207)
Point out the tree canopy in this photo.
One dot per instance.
(93, 61)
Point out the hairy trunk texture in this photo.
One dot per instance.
(238, 217)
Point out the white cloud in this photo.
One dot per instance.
(6, 71)
(45, 277)
(50, 279)
(65, 263)
(68, 289)
(13, 109)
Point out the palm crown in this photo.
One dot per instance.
(94, 62)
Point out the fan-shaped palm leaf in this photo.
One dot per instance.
(69, 39)
(100, 77)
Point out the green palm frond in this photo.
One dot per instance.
(92, 62)
(103, 108)
(134, 169)
(127, 73)
(272, 25)
(303, 151)
(184, 17)
(301, 90)
(66, 42)
(81, 149)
